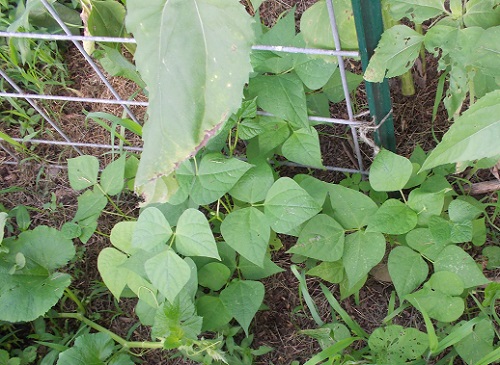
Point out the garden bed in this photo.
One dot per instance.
(51, 201)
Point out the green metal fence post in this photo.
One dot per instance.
(369, 26)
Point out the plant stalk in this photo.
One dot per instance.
(419, 30)
(407, 84)
(124, 343)
(71, 295)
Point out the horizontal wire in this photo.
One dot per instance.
(73, 98)
(285, 49)
(78, 144)
(325, 120)
(328, 168)
(285, 163)
(61, 37)
(309, 51)
(145, 103)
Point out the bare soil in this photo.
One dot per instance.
(278, 326)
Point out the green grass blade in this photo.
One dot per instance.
(305, 293)
(439, 95)
(456, 335)
(431, 333)
(332, 350)
(395, 312)
(492, 357)
(9, 140)
(343, 314)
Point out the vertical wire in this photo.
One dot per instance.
(39, 110)
(77, 44)
(9, 152)
(345, 86)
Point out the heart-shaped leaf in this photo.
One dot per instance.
(242, 299)
(247, 232)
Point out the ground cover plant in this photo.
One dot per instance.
(218, 210)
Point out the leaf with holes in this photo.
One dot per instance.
(417, 11)
(395, 54)
(192, 90)
(482, 13)
(395, 344)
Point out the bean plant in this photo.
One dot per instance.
(215, 207)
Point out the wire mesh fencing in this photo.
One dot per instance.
(61, 144)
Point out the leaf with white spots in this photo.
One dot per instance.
(194, 58)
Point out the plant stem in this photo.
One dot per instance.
(71, 295)
(171, 241)
(235, 144)
(229, 143)
(112, 202)
(124, 343)
(403, 196)
(407, 84)
(224, 205)
(195, 166)
(419, 30)
(472, 92)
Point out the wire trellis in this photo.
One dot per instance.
(353, 121)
